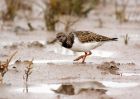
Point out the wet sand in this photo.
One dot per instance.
(111, 72)
(107, 74)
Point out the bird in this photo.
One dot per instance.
(82, 41)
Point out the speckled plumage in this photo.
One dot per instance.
(86, 36)
(82, 41)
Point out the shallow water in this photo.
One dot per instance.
(53, 66)
(78, 86)
(96, 52)
(131, 74)
(112, 84)
(37, 89)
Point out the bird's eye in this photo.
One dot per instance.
(58, 36)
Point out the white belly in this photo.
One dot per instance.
(83, 47)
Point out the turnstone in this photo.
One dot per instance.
(82, 41)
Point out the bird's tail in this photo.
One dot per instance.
(114, 39)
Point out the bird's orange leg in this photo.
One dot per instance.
(86, 54)
(83, 57)
(80, 57)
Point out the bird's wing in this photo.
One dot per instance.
(86, 36)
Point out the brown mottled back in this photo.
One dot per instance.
(86, 36)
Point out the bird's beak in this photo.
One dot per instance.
(55, 39)
(52, 42)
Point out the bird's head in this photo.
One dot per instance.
(61, 37)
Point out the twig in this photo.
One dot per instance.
(28, 71)
(8, 61)
(30, 26)
(69, 22)
(126, 39)
(4, 66)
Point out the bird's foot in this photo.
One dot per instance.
(83, 57)
(80, 57)
(83, 62)
(78, 62)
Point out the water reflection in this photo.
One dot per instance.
(9, 43)
(102, 53)
(99, 53)
(130, 74)
(76, 87)
(40, 88)
(112, 84)
(51, 61)
(26, 88)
